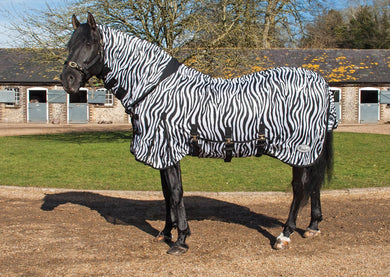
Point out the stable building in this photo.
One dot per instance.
(31, 91)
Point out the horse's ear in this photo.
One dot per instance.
(91, 21)
(75, 22)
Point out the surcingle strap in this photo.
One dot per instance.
(135, 123)
(194, 145)
(261, 141)
(120, 93)
(172, 66)
(110, 84)
(229, 145)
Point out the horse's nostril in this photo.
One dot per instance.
(70, 79)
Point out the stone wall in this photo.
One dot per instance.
(14, 113)
(108, 114)
(57, 113)
(349, 105)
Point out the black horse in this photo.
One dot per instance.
(87, 58)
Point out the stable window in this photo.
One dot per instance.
(101, 97)
(368, 96)
(336, 95)
(109, 98)
(79, 97)
(37, 96)
(17, 97)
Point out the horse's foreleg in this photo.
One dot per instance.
(300, 177)
(176, 215)
(165, 235)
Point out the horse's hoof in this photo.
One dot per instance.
(178, 249)
(311, 233)
(281, 243)
(163, 238)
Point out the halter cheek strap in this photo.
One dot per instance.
(85, 70)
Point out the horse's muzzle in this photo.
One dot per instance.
(71, 80)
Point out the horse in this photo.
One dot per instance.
(285, 113)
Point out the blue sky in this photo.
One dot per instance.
(20, 7)
(24, 6)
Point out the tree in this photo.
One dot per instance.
(361, 27)
(363, 30)
(162, 22)
(328, 31)
(175, 23)
(250, 23)
(224, 23)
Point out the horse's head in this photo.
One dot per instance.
(85, 55)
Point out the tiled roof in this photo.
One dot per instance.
(336, 65)
(22, 66)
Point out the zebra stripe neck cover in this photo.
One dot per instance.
(294, 105)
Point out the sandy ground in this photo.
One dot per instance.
(51, 232)
(19, 129)
(47, 232)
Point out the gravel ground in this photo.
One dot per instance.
(51, 232)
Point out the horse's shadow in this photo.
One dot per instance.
(135, 212)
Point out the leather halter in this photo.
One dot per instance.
(85, 70)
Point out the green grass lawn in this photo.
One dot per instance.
(102, 161)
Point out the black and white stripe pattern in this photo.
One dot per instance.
(294, 104)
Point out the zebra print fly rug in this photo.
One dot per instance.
(291, 107)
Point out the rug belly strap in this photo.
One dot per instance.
(200, 146)
(229, 145)
(194, 145)
(261, 141)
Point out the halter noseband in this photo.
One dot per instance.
(85, 70)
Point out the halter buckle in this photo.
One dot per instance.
(73, 64)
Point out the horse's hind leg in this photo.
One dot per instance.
(306, 183)
(176, 215)
(300, 177)
(316, 213)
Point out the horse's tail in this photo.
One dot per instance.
(321, 170)
(328, 156)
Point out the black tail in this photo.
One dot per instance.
(321, 169)
(328, 155)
